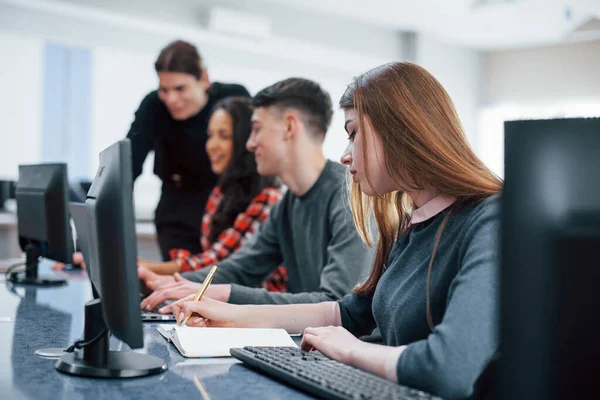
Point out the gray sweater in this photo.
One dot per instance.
(464, 301)
(313, 236)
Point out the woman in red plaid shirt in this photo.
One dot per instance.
(238, 204)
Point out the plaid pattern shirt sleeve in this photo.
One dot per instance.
(232, 238)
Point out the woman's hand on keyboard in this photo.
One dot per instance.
(334, 342)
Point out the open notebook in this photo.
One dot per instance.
(216, 342)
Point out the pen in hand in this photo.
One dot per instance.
(198, 296)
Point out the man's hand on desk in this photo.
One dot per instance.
(175, 290)
(77, 260)
(153, 281)
(162, 268)
(179, 288)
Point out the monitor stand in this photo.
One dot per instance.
(97, 361)
(30, 277)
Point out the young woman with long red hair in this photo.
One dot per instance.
(433, 289)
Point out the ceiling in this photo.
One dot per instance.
(482, 24)
(479, 24)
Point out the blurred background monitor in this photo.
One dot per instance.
(42, 194)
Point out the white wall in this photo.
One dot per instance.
(120, 79)
(544, 74)
(20, 103)
(561, 81)
(460, 71)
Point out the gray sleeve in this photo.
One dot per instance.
(348, 261)
(449, 361)
(356, 313)
(253, 262)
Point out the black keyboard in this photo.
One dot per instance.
(318, 375)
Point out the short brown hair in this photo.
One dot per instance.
(180, 56)
(302, 94)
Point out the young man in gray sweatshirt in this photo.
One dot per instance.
(310, 231)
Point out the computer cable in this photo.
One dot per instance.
(9, 271)
(80, 344)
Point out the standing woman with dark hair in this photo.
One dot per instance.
(433, 288)
(241, 200)
(172, 121)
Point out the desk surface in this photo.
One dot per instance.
(33, 318)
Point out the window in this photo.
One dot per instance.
(66, 109)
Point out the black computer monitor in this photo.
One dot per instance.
(80, 220)
(550, 324)
(42, 195)
(112, 240)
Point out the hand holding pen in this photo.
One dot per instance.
(198, 296)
